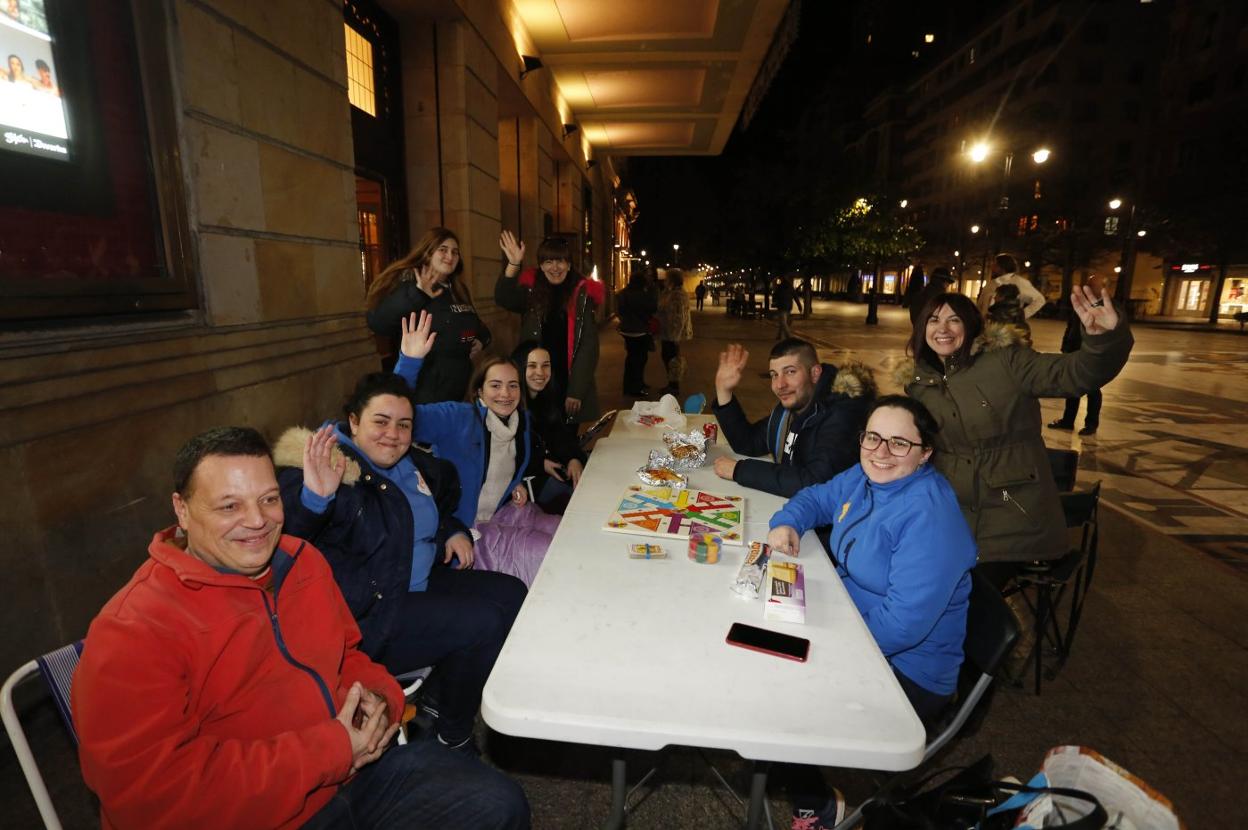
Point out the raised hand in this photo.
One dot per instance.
(417, 339)
(371, 737)
(731, 366)
(428, 282)
(322, 465)
(784, 539)
(512, 247)
(1098, 315)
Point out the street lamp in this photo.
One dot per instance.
(903, 203)
(1041, 155)
(979, 153)
(1126, 262)
(676, 254)
(974, 228)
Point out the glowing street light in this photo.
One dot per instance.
(1041, 156)
(1114, 204)
(643, 253)
(1141, 233)
(904, 202)
(974, 228)
(979, 151)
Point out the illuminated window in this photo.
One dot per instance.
(929, 38)
(360, 72)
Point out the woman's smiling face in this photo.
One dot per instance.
(945, 332)
(501, 390)
(537, 370)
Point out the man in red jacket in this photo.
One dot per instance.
(223, 686)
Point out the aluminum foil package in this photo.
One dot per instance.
(659, 472)
(749, 579)
(688, 449)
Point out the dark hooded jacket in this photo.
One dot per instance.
(827, 438)
(366, 532)
(989, 445)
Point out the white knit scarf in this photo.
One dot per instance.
(502, 463)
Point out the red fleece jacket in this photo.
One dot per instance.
(188, 711)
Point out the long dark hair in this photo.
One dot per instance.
(972, 324)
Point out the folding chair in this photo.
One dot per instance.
(57, 668)
(1042, 585)
(411, 682)
(990, 634)
(1065, 466)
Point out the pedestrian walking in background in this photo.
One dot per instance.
(1072, 339)
(636, 305)
(1005, 272)
(675, 325)
(699, 293)
(556, 307)
(430, 279)
(782, 302)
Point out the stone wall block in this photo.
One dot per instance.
(267, 99)
(302, 28)
(481, 103)
(209, 70)
(339, 283)
(324, 119)
(228, 269)
(225, 169)
(483, 191)
(304, 196)
(287, 278)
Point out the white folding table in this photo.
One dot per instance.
(619, 652)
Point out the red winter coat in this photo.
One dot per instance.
(190, 714)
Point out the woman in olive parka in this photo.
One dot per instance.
(983, 385)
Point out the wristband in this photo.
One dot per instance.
(514, 264)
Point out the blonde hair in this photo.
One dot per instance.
(417, 258)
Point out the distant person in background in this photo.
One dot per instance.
(45, 82)
(1007, 310)
(675, 325)
(636, 305)
(938, 283)
(782, 302)
(699, 294)
(1072, 339)
(1005, 272)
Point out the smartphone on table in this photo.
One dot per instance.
(769, 642)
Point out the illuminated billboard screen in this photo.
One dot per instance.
(32, 110)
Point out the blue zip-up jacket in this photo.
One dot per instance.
(904, 553)
(456, 432)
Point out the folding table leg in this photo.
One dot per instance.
(619, 793)
(758, 794)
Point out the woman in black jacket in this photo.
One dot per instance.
(430, 278)
(382, 513)
(564, 461)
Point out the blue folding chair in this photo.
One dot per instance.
(57, 668)
(695, 403)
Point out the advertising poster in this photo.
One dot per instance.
(32, 110)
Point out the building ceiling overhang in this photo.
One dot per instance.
(652, 77)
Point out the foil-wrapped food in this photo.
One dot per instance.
(659, 471)
(688, 449)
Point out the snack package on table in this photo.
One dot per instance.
(659, 472)
(664, 412)
(750, 578)
(786, 593)
(688, 449)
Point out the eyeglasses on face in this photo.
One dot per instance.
(897, 445)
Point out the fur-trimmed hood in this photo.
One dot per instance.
(288, 452)
(994, 336)
(854, 379)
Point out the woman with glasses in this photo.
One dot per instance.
(900, 546)
(556, 307)
(982, 383)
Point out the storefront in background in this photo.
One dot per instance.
(1191, 288)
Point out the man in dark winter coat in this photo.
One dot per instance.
(811, 434)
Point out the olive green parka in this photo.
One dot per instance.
(990, 445)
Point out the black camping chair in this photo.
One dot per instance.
(1043, 585)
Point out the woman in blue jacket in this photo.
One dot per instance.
(901, 547)
(494, 445)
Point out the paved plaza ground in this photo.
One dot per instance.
(1157, 677)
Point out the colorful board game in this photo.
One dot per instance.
(662, 511)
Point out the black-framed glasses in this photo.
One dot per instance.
(897, 445)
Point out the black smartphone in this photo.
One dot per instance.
(769, 642)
